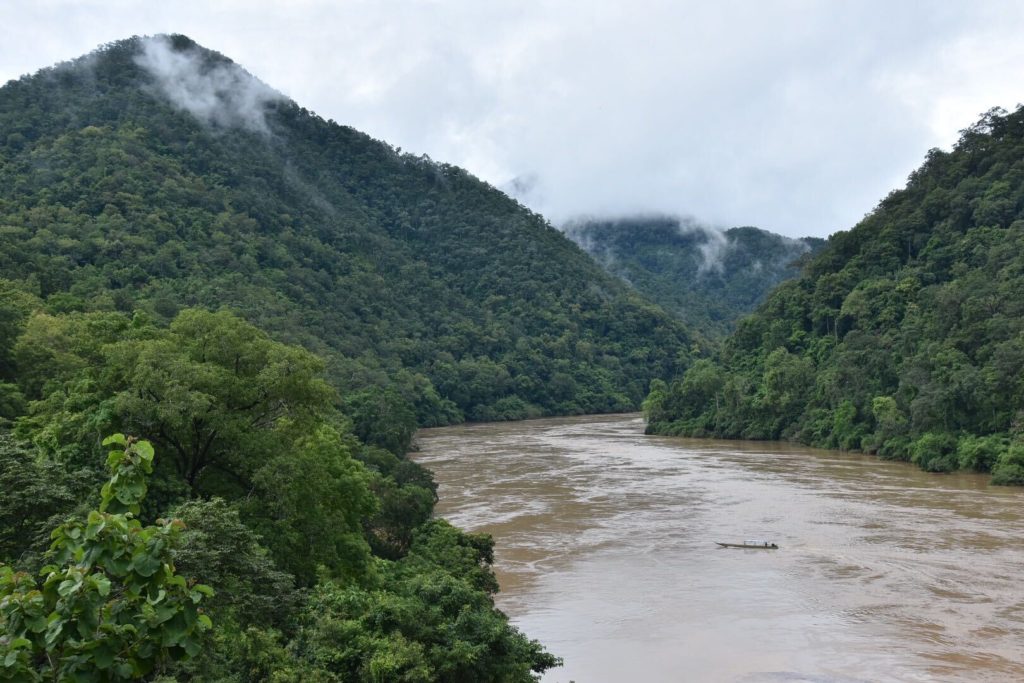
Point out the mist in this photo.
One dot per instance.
(711, 242)
(221, 94)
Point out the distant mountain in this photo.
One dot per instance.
(903, 337)
(154, 174)
(708, 277)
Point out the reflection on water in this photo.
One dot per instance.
(605, 553)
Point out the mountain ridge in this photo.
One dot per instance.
(403, 272)
(707, 277)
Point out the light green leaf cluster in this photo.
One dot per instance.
(109, 606)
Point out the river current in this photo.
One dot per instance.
(606, 553)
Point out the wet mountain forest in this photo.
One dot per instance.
(223, 318)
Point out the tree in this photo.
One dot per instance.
(935, 452)
(218, 549)
(308, 503)
(406, 493)
(435, 620)
(1009, 468)
(110, 607)
(381, 417)
(785, 382)
(34, 494)
(654, 406)
(217, 395)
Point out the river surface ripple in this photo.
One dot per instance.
(605, 553)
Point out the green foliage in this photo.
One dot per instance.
(890, 422)
(406, 494)
(935, 452)
(15, 306)
(427, 617)
(468, 556)
(308, 504)
(653, 407)
(35, 498)
(693, 402)
(237, 414)
(110, 606)
(214, 386)
(896, 448)
(847, 431)
(708, 278)
(1009, 468)
(382, 418)
(218, 549)
(283, 497)
(979, 453)
(905, 335)
(433, 621)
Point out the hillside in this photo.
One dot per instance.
(707, 277)
(154, 175)
(903, 337)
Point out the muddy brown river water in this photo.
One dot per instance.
(606, 554)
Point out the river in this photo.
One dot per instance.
(606, 554)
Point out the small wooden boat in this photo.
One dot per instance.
(756, 545)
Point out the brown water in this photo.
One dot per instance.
(605, 553)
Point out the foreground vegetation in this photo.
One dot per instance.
(904, 337)
(264, 541)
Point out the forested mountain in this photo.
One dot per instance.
(221, 319)
(708, 277)
(154, 175)
(903, 337)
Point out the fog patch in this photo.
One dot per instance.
(215, 92)
(712, 250)
(715, 251)
(576, 230)
(524, 188)
(712, 243)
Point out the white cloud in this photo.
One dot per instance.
(221, 94)
(796, 116)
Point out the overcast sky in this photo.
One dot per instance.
(792, 116)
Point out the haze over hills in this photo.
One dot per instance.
(708, 277)
(903, 337)
(154, 174)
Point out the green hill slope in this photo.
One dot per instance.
(709, 278)
(904, 337)
(154, 174)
